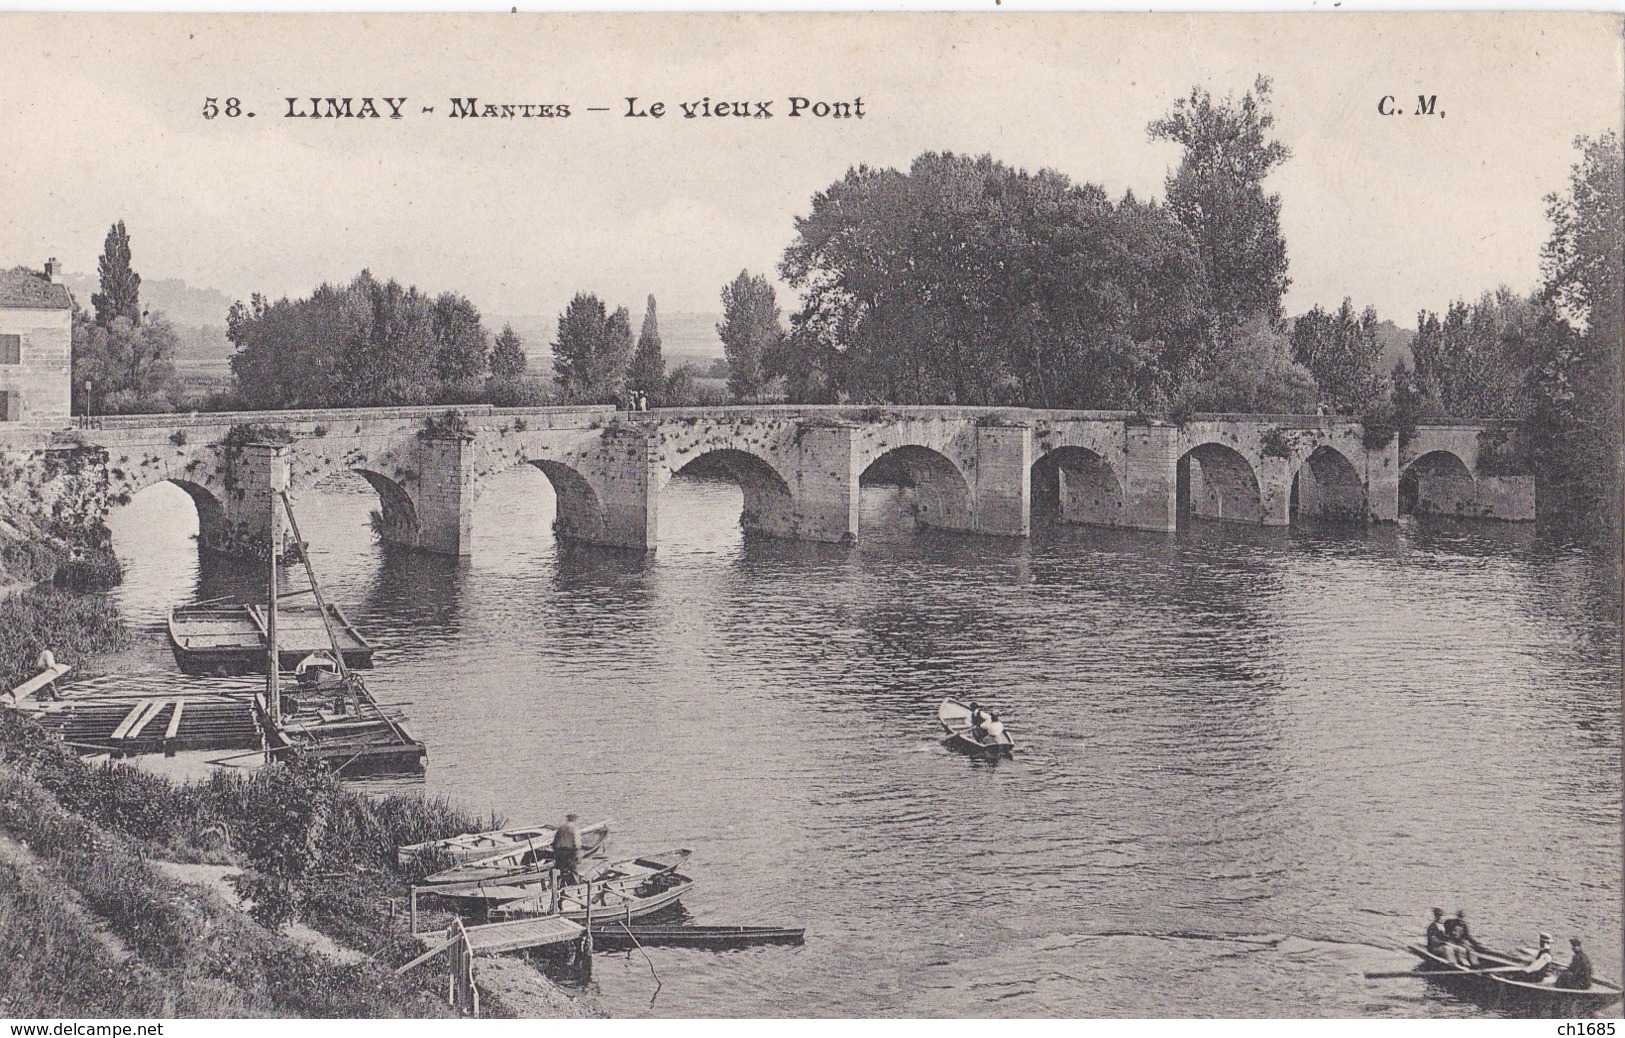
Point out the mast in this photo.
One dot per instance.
(273, 664)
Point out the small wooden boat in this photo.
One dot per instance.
(534, 855)
(221, 638)
(1498, 983)
(962, 735)
(616, 935)
(329, 716)
(469, 847)
(637, 886)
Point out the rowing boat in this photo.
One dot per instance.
(634, 883)
(962, 735)
(535, 855)
(466, 847)
(1497, 983)
(613, 934)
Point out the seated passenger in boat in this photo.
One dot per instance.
(1463, 950)
(1537, 967)
(993, 728)
(1577, 975)
(1437, 939)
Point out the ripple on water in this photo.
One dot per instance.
(1249, 759)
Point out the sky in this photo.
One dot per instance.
(103, 121)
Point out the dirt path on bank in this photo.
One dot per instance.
(20, 857)
(216, 878)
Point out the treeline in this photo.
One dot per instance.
(965, 281)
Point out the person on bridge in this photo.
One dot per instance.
(1438, 940)
(1577, 975)
(567, 850)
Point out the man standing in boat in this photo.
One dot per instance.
(567, 850)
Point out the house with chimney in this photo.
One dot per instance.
(36, 347)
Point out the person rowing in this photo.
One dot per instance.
(1538, 966)
(1462, 949)
(993, 729)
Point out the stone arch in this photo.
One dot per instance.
(1327, 484)
(578, 513)
(1217, 482)
(214, 529)
(769, 506)
(1436, 482)
(396, 521)
(1076, 485)
(939, 492)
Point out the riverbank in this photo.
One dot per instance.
(111, 899)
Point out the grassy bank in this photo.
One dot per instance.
(74, 627)
(100, 930)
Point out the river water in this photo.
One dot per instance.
(1249, 760)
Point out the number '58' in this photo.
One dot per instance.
(211, 108)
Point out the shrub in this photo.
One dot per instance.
(73, 627)
(94, 569)
(1276, 443)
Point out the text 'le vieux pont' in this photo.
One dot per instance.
(794, 107)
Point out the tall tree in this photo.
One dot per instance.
(1473, 362)
(1218, 194)
(462, 347)
(966, 281)
(1343, 353)
(591, 353)
(648, 369)
(369, 343)
(750, 330)
(121, 287)
(1255, 374)
(508, 356)
(125, 368)
(1575, 356)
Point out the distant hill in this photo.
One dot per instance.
(198, 314)
(1396, 345)
(684, 336)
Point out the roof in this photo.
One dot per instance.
(24, 288)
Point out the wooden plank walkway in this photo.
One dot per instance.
(513, 935)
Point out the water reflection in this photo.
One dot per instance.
(1250, 758)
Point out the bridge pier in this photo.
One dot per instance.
(827, 474)
(437, 513)
(1151, 477)
(629, 490)
(1004, 461)
(243, 529)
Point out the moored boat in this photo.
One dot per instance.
(1497, 982)
(468, 847)
(534, 854)
(226, 638)
(962, 735)
(329, 716)
(628, 889)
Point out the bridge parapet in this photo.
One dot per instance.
(970, 469)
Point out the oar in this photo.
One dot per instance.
(1389, 975)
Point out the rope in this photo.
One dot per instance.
(639, 946)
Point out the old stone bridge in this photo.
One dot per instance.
(975, 470)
